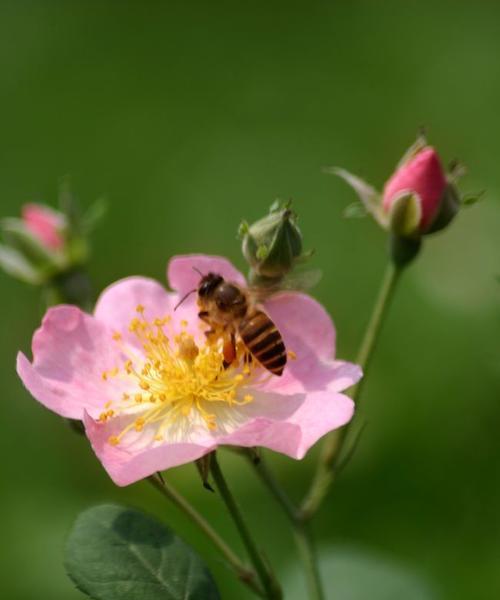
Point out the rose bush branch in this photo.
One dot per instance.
(302, 534)
(267, 578)
(419, 199)
(333, 445)
(244, 573)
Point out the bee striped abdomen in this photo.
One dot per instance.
(264, 341)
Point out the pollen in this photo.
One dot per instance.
(174, 382)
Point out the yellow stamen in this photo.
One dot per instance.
(177, 381)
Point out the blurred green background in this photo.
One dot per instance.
(189, 116)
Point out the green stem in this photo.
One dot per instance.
(386, 293)
(334, 443)
(70, 287)
(300, 528)
(271, 587)
(245, 574)
(309, 560)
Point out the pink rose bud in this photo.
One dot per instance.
(45, 223)
(420, 183)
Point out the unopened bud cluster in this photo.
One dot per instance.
(419, 198)
(272, 246)
(48, 247)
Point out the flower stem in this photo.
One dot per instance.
(334, 443)
(300, 528)
(386, 293)
(245, 574)
(309, 560)
(272, 589)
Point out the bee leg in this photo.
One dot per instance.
(204, 316)
(229, 351)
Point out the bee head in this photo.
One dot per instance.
(208, 284)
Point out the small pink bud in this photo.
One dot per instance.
(45, 223)
(423, 176)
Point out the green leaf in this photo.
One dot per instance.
(94, 215)
(118, 553)
(472, 198)
(354, 574)
(356, 210)
(16, 265)
(368, 195)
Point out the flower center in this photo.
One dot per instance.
(172, 379)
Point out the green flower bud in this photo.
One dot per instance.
(272, 245)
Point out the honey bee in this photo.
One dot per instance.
(231, 312)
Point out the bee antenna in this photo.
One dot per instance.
(198, 271)
(184, 298)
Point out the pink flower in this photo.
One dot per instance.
(153, 393)
(422, 175)
(46, 224)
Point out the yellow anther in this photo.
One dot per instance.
(134, 325)
(292, 355)
(188, 350)
(117, 336)
(175, 382)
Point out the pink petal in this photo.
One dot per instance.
(44, 223)
(308, 331)
(125, 467)
(117, 305)
(344, 376)
(286, 424)
(303, 321)
(183, 278)
(70, 352)
(422, 174)
(292, 424)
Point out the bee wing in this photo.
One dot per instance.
(296, 281)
